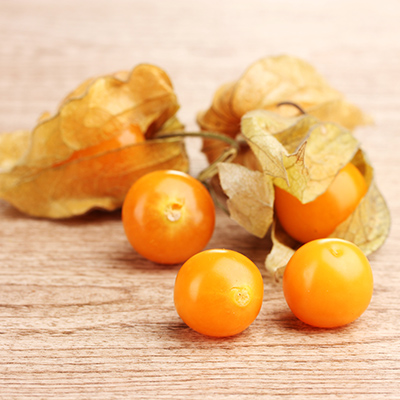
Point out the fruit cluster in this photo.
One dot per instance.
(169, 218)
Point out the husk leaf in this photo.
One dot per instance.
(250, 197)
(368, 226)
(267, 84)
(302, 155)
(35, 174)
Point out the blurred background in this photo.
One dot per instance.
(48, 47)
(52, 46)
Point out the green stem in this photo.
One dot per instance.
(227, 155)
(203, 134)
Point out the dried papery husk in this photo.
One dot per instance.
(302, 155)
(250, 197)
(268, 83)
(368, 226)
(95, 182)
(36, 175)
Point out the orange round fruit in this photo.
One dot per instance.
(320, 217)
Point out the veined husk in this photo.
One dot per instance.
(34, 174)
(270, 84)
(302, 155)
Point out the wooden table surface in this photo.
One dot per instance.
(81, 314)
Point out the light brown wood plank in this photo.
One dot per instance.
(81, 314)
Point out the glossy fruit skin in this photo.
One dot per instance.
(218, 292)
(168, 216)
(319, 218)
(328, 283)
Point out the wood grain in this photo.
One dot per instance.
(81, 314)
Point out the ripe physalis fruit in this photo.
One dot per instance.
(131, 135)
(168, 216)
(320, 217)
(101, 140)
(317, 178)
(328, 283)
(218, 292)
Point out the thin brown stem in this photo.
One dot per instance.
(291, 103)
